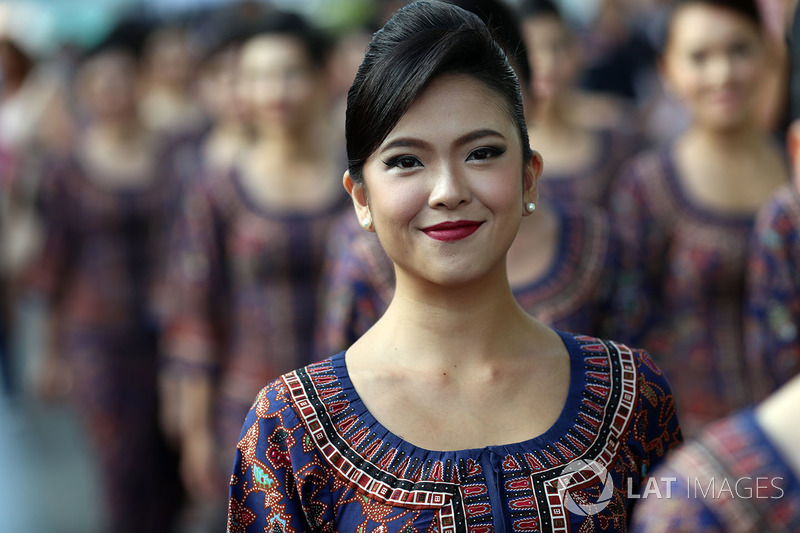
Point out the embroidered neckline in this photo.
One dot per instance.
(599, 404)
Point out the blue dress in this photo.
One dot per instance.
(311, 457)
(762, 493)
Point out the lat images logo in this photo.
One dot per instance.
(575, 476)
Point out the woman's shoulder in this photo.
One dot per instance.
(648, 179)
(285, 391)
(631, 370)
(782, 212)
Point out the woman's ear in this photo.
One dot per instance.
(358, 192)
(532, 173)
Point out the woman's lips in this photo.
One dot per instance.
(452, 231)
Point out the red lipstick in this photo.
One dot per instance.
(452, 231)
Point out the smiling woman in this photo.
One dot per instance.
(686, 212)
(456, 411)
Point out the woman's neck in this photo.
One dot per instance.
(552, 115)
(439, 327)
(117, 132)
(730, 141)
(778, 417)
(285, 146)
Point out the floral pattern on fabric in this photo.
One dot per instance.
(312, 458)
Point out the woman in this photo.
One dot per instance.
(105, 208)
(685, 213)
(491, 405)
(583, 137)
(562, 266)
(248, 250)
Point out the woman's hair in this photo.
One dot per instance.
(745, 8)
(529, 9)
(504, 27)
(292, 25)
(420, 42)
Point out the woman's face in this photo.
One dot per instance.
(447, 187)
(278, 85)
(714, 62)
(217, 86)
(108, 85)
(552, 53)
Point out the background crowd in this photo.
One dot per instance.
(174, 233)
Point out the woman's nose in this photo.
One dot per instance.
(450, 188)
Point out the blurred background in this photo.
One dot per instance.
(117, 118)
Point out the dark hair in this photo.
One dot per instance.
(538, 8)
(292, 25)
(127, 37)
(794, 78)
(420, 42)
(745, 8)
(504, 27)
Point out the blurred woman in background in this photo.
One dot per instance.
(685, 213)
(169, 66)
(248, 251)
(105, 208)
(584, 138)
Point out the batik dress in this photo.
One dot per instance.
(244, 281)
(591, 185)
(574, 294)
(732, 479)
(682, 291)
(97, 273)
(773, 299)
(311, 457)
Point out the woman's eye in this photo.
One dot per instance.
(403, 161)
(482, 154)
(698, 57)
(740, 49)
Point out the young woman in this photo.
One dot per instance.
(106, 204)
(562, 265)
(457, 411)
(584, 138)
(248, 250)
(685, 213)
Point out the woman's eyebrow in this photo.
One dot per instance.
(405, 142)
(412, 142)
(478, 134)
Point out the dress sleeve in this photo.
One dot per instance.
(196, 288)
(643, 244)
(656, 430)
(773, 296)
(51, 270)
(275, 483)
(669, 511)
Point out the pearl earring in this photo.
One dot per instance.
(530, 207)
(366, 223)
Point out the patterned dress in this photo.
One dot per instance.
(311, 457)
(97, 271)
(732, 479)
(592, 184)
(773, 302)
(243, 284)
(682, 290)
(574, 294)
